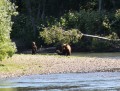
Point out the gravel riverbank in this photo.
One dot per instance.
(20, 65)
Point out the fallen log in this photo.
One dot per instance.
(99, 37)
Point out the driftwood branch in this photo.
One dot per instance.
(114, 22)
(104, 38)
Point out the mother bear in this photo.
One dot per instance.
(64, 50)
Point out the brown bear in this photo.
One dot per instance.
(65, 50)
(34, 48)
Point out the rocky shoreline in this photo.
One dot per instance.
(50, 64)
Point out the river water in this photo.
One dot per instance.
(98, 81)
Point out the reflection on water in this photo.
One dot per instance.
(98, 81)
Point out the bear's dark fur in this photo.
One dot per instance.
(64, 50)
(34, 48)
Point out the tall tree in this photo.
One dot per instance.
(7, 9)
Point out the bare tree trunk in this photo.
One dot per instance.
(113, 2)
(38, 13)
(43, 11)
(100, 6)
(28, 6)
(61, 9)
(94, 36)
(100, 14)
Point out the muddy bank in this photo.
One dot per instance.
(20, 65)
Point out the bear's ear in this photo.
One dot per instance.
(64, 44)
(33, 42)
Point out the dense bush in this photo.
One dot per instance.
(7, 48)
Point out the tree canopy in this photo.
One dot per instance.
(7, 9)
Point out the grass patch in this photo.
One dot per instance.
(11, 67)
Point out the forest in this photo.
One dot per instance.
(53, 22)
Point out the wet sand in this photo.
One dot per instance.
(50, 64)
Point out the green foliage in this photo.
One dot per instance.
(69, 20)
(7, 48)
(106, 23)
(117, 14)
(56, 35)
(86, 21)
(99, 46)
(113, 35)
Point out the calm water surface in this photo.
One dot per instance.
(98, 81)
